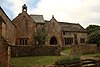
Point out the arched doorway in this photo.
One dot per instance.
(53, 41)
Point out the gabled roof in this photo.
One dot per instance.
(6, 15)
(38, 18)
(74, 27)
(1, 19)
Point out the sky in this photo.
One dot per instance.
(84, 12)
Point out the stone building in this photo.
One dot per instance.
(73, 33)
(58, 33)
(7, 38)
(22, 28)
(7, 28)
(25, 27)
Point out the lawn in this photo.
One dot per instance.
(66, 51)
(94, 55)
(36, 60)
(42, 60)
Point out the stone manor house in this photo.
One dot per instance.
(20, 30)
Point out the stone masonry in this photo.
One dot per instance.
(21, 29)
(4, 53)
(58, 33)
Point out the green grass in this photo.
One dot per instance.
(95, 54)
(67, 51)
(69, 60)
(44, 60)
(36, 60)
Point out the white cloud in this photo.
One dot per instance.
(75, 11)
(17, 6)
(84, 12)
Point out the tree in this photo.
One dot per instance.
(94, 38)
(93, 34)
(92, 28)
(39, 37)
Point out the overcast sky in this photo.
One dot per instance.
(84, 12)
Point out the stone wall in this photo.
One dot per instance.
(8, 29)
(25, 28)
(83, 49)
(4, 55)
(34, 51)
(80, 35)
(98, 49)
(53, 29)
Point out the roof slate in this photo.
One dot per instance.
(74, 27)
(38, 18)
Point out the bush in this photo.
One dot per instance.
(68, 60)
(21, 51)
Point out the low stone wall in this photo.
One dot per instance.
(83, 49)
(34, 51)
(4, 55)
(98, 49)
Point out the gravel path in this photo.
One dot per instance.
(63, 54)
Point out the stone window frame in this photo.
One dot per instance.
(68, 40)
(22, 41)
(82, 40)
(66, 33)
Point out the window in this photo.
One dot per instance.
(53, 41)
(82, 40)
(68, 41)
(75, 39)
(66, 33)
(26, 25)
(22, 41)
(63, 33)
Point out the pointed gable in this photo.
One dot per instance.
(53, 30)
(53, 25)
(8, 28)
(24, 23)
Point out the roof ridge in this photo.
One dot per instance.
(69, 23)
(35, 15)
(38, 18)
(6, 15)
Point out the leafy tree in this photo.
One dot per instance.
(39, 37)
(92, 28)
(94, 38)
(93, 34)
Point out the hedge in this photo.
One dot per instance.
(21, 51)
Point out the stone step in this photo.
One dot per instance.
(88, 62)
(89, 65)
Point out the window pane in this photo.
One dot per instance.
(25, 41)
(63, 33)
(21, 41)
(68, 41)
(82, 40)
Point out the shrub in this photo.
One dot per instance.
(21, 51)
(39, 37)
(68, 60)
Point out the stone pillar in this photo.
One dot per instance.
(9, 56)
